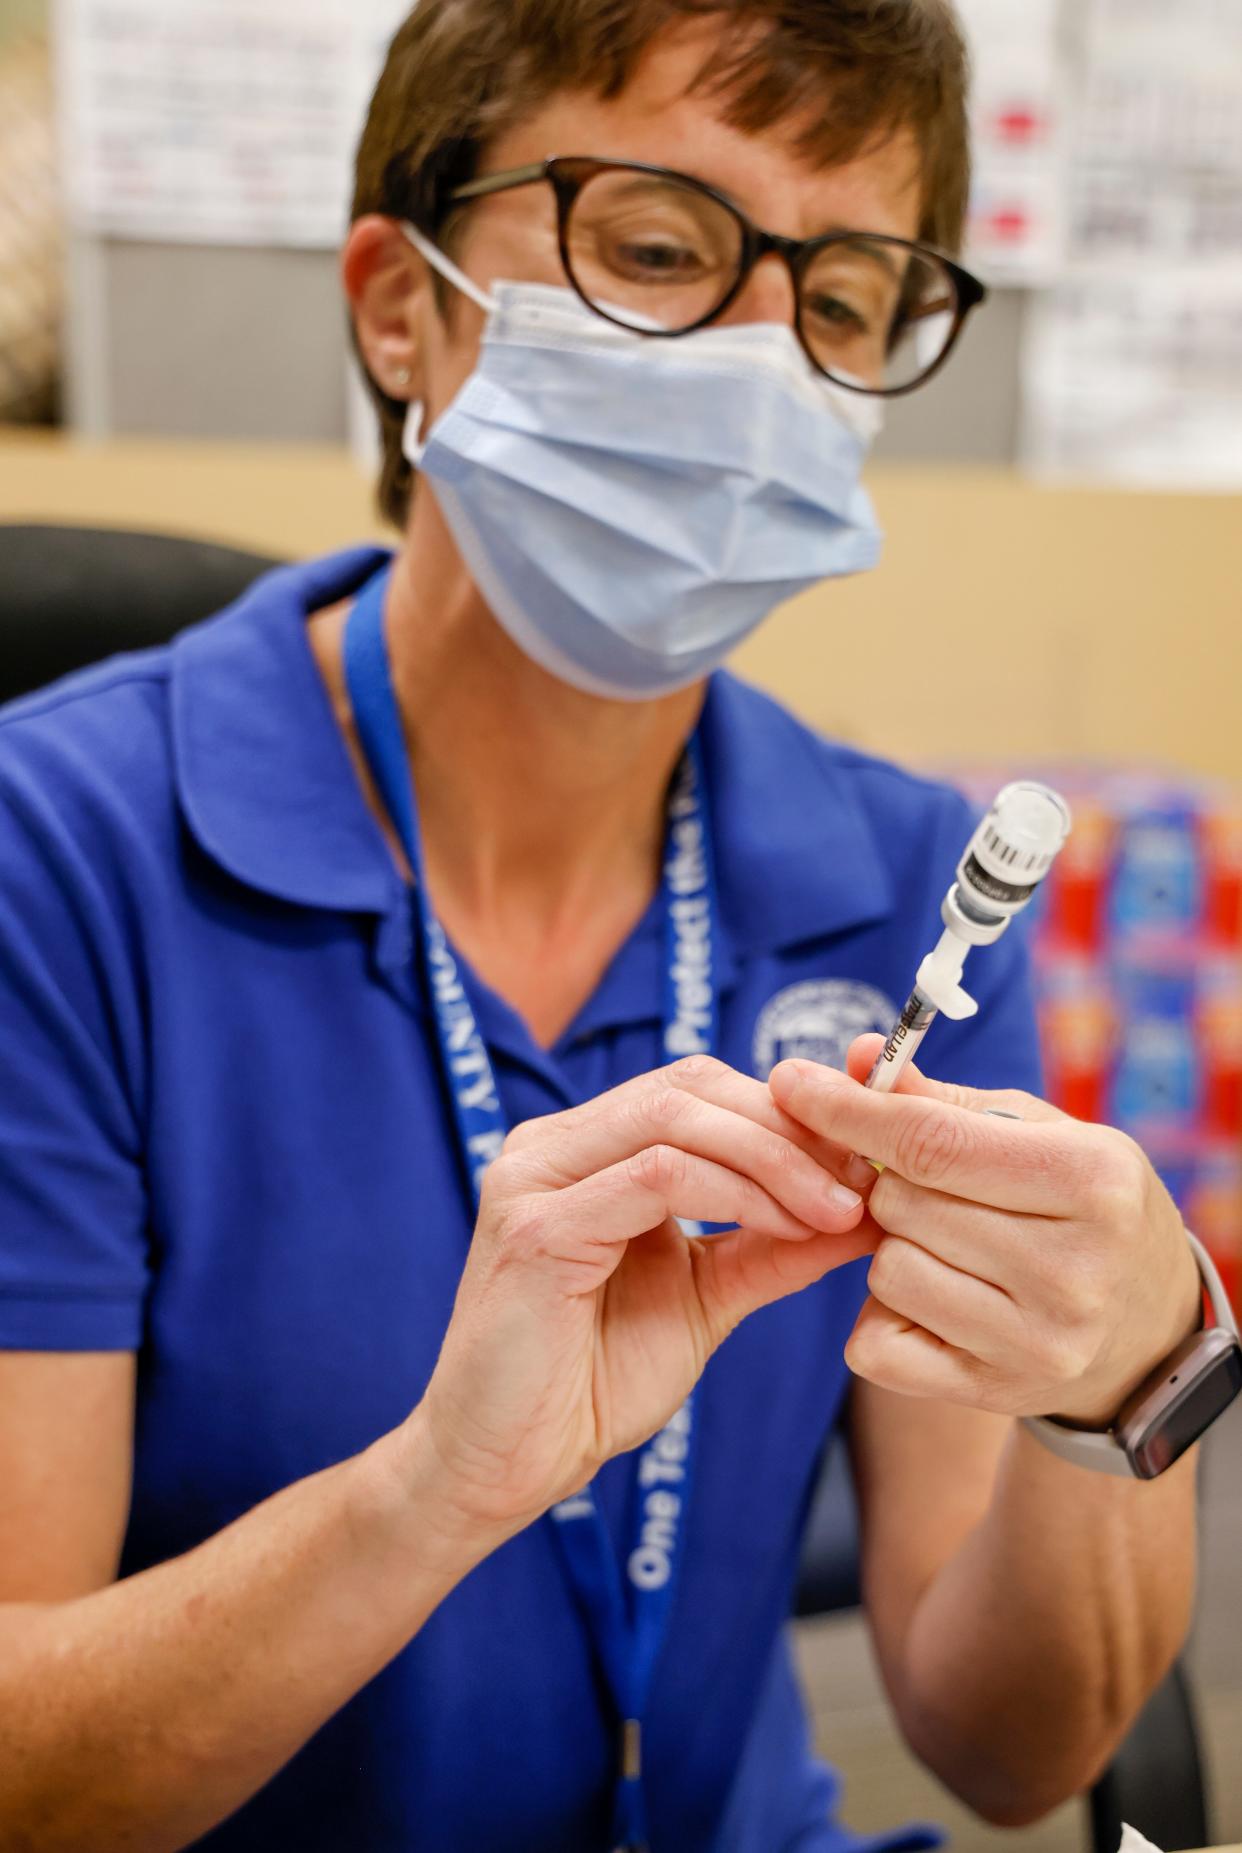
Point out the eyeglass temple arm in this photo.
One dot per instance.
(498, 183)
(924, 311)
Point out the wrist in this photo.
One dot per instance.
(417, 1497)
(1185, 1318)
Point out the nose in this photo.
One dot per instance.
(768, 295)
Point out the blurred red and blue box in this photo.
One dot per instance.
(1138, 951)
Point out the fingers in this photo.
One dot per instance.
(681, 1108)
(1028, 1165)
(740, 1273)
(584, 1137)
(587, 1225)
(712, 1080)
(1013, 1252)
(897, 1355)
(866, 1052)
(956, 1307)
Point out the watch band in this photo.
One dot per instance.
(1171, 1409)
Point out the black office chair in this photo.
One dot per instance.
(69, 596)
(1156, 1781)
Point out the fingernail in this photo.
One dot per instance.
(859, 1174)
(844, 1200)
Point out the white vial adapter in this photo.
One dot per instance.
(999, 874)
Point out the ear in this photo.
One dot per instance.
(389, 291)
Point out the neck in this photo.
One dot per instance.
(533, 797)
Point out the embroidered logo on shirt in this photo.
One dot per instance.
(817, 1021)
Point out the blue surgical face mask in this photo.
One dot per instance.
(632, 508)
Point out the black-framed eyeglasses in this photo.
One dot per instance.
(644, 245)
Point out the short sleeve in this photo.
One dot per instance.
(73, 1221)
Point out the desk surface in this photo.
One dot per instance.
(1009, 622)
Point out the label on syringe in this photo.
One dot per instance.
(913, 1024)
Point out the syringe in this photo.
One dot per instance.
(1005, 862)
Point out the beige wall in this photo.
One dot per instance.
(21, 16)
(1019, 623)
(1008, 622)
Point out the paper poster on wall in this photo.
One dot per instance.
(1017, 221)
(1134, 377)
(213, 121)
(1157, 168)
(1134, 360)
(219, 121)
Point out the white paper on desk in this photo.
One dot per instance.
(1133, 1842)
(1134, 376)
(216, 121)
(1017, 221)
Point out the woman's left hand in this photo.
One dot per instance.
(1031, 1267)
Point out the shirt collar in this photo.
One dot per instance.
(268, 789)
(263, 774)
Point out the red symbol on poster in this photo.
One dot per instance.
(1020, 125)
(1008, 224)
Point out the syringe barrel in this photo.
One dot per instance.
(904, 1043)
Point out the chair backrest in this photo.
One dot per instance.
(1157, 1781)
(829, 1575)
(71, 596)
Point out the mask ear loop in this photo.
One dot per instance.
(448, 269)
(413, 441)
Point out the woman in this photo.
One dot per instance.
(262, 1081)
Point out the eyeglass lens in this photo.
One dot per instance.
(644, 248)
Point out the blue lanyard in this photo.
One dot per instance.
(626, 1610)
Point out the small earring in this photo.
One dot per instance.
(403, 376)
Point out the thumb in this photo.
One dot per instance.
(742, 1272)
(866, 1052)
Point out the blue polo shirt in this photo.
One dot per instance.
(224, 1143)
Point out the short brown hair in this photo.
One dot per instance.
(461, 72)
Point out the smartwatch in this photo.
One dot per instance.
(1171, 1409)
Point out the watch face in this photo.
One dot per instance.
(1190, 1402)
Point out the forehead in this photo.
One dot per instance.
(661, 117)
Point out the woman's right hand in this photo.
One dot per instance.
(585, 1315)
